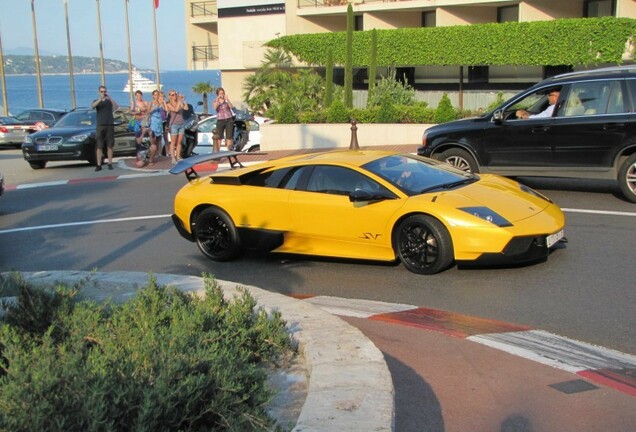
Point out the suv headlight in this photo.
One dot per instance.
(78, 138)
(488, 215)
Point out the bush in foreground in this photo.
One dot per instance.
(163, 361)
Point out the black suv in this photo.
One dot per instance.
(591, 132)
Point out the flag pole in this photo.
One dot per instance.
(130, 79)
(5, 103)
(70, 56)
(101, 44)
(155, 5)
(37, 55)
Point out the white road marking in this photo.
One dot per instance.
(70, 224)
(601, 212)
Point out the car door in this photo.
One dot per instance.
(327, 223)
(518, 143)
(589, 137)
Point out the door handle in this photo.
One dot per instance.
(540, 130)
(613, 127)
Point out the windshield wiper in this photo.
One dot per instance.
(447, 186)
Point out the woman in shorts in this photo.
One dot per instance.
(176, 107)
(224, 119)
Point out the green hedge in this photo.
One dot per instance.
(579, 41)
(163, 361)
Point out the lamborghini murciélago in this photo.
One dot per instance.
(370, 205)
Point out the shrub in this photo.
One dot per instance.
(337, 113)
(165, 360)
(389, 88)
(387, 112)
(286, 114)
(445, 111)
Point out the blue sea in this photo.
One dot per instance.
(22, 90)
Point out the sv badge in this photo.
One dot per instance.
(370, 236)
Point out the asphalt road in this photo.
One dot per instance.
(584, 291)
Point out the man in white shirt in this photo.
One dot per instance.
(553, 97)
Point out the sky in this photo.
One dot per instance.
(16, 30)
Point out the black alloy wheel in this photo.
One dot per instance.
(216, 235)
(423, 244)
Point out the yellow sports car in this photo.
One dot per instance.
(371, 205)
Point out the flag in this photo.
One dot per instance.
(156, 4)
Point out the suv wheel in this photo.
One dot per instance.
(37, 164)
(460, 159)
(627, 178)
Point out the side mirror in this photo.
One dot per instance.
(498, 116)
(199, 103)
(118, 122)
(364, 195)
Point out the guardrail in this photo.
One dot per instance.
(202, 9)
(205, 52)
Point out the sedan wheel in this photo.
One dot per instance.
(37, 165)
(460, 159)
(627, 178)
(216, 235)
(423, 244)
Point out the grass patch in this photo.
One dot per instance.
(163, 361)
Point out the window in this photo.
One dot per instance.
(358, 23)
(477, 74)
(207, 126)
(508, 14)
(428, 19)
(593, 97)
(337, 180)
(268, 178)
(599, 8)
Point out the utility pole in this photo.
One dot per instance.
(70, 55)
(37, 55)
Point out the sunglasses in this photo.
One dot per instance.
(173, 94)
(102, 91)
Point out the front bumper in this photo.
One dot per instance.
(519, 250)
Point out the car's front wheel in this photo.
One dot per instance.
(37, 164)
(460, 159)
(216, 235)
(423, 244)
(627, 178)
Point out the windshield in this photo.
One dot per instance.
(77, 119)
(415, 175)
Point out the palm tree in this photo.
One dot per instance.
(203, 88)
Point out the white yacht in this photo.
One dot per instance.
(142, 83)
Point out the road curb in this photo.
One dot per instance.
(349, 385)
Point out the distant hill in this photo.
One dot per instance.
(25, 65)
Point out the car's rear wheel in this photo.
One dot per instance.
(460, 159)
(423, 244)
(627, 178)
(216, 235)
(37, 164)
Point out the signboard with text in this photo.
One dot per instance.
(237, 8)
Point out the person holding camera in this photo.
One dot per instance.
(176, 107)
(105, 126)
(224, 119)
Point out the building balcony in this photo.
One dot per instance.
(205, 57)
(204, 12)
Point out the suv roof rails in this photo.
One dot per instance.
(597, 71)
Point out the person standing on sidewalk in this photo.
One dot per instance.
(105, 127)
(224, 119)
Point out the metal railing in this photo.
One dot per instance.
(203, 9)
(205, 52)
(326, 3)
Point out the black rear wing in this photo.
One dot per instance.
(187, 165)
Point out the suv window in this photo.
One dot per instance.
(592, 97)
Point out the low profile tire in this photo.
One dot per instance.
(627, 178)
(37, 165)
(460, 159)
(216, 235)
(423, 244)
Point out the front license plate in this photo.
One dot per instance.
(553, 238)
(46, 147)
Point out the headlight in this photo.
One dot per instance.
(488, 215)
(27, 140)
(533, 192)
(78, 138)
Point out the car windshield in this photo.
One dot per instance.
(415, 175)
(77, 119)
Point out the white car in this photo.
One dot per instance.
(253, 143)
